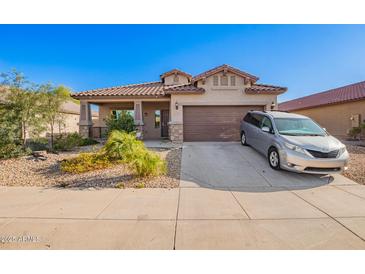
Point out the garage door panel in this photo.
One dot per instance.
(214, 123)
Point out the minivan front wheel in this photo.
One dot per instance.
(274, 159)
(243, 139)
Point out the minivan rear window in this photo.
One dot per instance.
(253, 119)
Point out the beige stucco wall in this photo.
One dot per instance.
(70, 124)
(148, 112)
(169, 80)
(148, 109)
(336, 118)
(218, 95)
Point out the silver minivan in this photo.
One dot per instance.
(293, 142)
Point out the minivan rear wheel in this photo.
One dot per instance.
(274, 159)
(243, 139)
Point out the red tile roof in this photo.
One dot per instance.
(146, 89)
(265, 89)
(183, 89)
(222, 68)
(159, 89)
(340, 95)
(177, 71)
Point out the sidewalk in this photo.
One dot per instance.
(326, 217)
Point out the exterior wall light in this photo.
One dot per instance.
(176, 106)
(273, 105)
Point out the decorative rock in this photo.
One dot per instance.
(46, 172)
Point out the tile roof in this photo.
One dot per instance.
(222, 68)
(159, 89)
(344, 94)
(265, 89)
(145, 89)
(173, 71)
(183, 89)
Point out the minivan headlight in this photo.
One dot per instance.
(342, 150)
(297, 149)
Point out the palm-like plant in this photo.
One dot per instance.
(124, 146)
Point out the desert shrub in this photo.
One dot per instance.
(121, 147)
(86, 162)
(88, 142)
(355, 132)
(38, 144)
(71, 140)
(125, 146)
(123, 121)
(67, 141)
(13, 150)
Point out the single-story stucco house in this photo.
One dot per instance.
(182, 107)
(338, 110)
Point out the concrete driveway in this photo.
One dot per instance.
(229, 198)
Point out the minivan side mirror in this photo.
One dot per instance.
(266, 129)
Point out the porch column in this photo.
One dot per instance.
(138, 118)
(85, 122)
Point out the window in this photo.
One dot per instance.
(253, 119)
(266, 123)
(157, 118)
(256, 120)
(224, 81)
(248, 118)
(176, 79)
(298, 127)
(215, 80)
(233, 80)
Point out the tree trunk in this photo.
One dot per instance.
(24, 134)
(51, 136)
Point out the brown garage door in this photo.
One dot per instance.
(214, 123)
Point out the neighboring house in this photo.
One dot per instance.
(70, 112)
(206, 107)
(337, 110)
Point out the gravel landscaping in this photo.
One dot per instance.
(356, 169)
(25, 171)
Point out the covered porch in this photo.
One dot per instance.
(151, 116)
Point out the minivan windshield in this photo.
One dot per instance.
(298, 127)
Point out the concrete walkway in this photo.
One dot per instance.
(228, 199)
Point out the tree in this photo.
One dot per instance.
(52, 100)
(21, 106)
(122, 120)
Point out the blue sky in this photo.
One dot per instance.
(304, 58)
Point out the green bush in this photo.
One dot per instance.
(125, 146)
(38, 144)
(88, 142)
(121, 147)
(123, 121)
(355, 132)
(86, 162)
(12, 150)
(71, 140)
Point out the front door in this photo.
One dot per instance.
(164, 123)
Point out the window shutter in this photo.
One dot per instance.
(233, 80)
(215, 80)
(224, 81)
